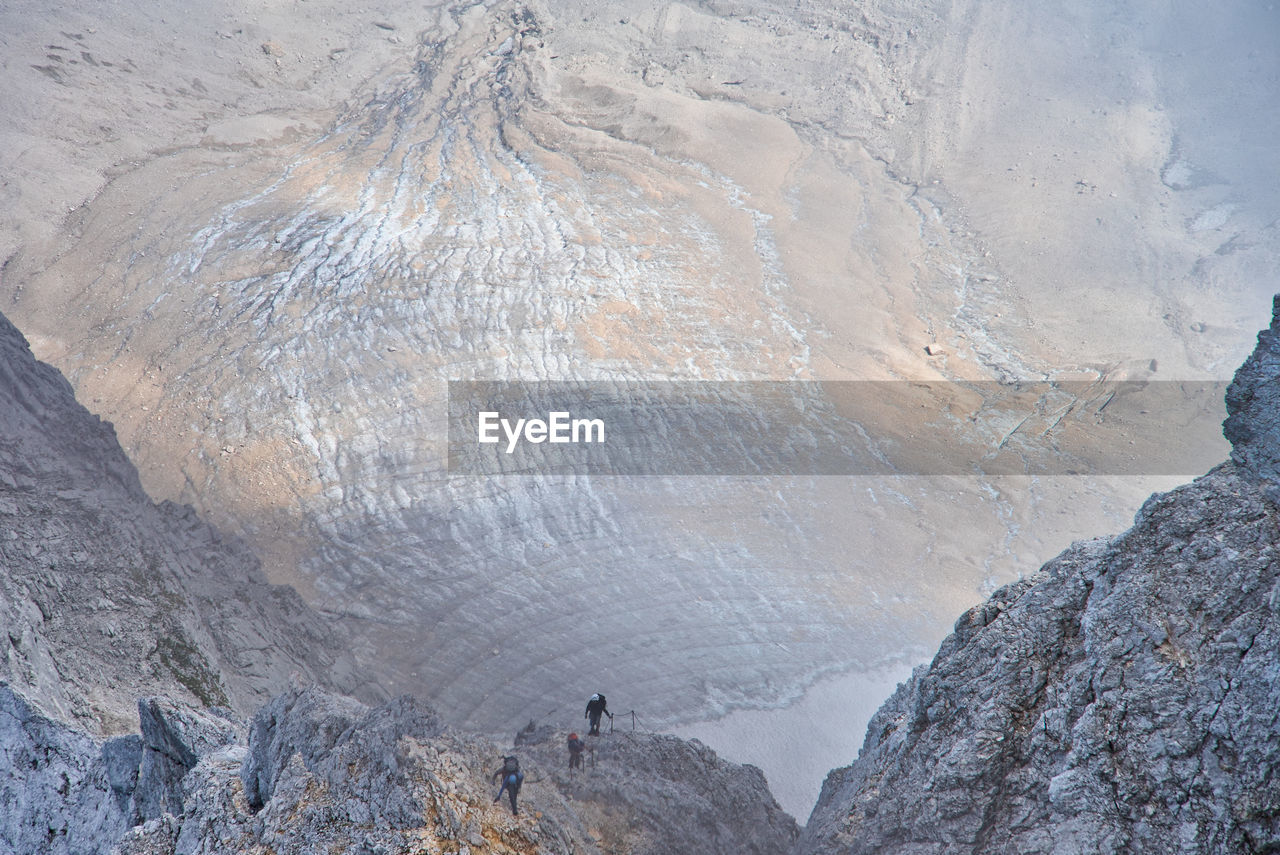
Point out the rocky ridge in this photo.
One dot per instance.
(106, 597)
(664, 791)
(320, 772)
(1123, 699)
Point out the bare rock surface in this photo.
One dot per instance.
(1253, 408)
(60, 793)
(105, 596)
(173, 741)
(651, 793)
(1122, 699)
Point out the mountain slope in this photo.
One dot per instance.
(105, 596)
(1122, 699)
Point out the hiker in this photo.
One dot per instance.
(575, 751)
(595, 707)
(512, 778)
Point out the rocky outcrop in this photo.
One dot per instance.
(649, 794)
(1123, 699)
(60, 793)
(322, 773)
(1253, 407)
(106, 597)
(317, 772)
(173, 741)
(64, 793)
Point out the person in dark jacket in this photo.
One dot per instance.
(512, 778)
(576, 745)
(595, 708)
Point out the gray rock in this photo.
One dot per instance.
(323, 773)
(665, 794)
(1123, 699)
(328, 774)
(1253, 407)
(106, 597)
(173, 741)
(307, 723)
(122, 760)
(56, 792)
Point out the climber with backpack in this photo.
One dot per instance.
(576, 746)
(512, 778)
(596, 707)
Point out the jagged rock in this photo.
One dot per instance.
(106, 597)
(324, 773)
(654, 793)
(328, 774)
(1123, 699)
(173, 741)
(56, 791)
(122, 759)
(319, 729)
(1253, 407)
(154, 837)
(307, 722)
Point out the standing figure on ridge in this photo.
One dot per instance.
(595, 707)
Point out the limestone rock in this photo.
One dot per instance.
(106, 597)
(57, 794)
(323, 773)
(1122, 699)
(173, 741)
(649, 793)
(309, 723)
(1253, 407)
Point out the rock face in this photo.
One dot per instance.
(173, 741)
(59, 793)
(649, 794)
(1253, 407)
(106, 597)
(1122, 699)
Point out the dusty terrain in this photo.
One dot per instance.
(261, 238)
